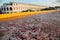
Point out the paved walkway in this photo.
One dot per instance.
(37, 27)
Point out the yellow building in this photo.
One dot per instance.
(18, 7)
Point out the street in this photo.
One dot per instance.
(36, 27)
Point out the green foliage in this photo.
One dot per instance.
(51, 8)
(29, 10)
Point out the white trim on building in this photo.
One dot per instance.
(17, 7)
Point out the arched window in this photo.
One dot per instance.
(10, 8)
(7, 8)
(4, 8)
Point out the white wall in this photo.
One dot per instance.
(17, 7)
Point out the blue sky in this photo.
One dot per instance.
(38, 2)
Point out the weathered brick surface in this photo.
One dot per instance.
(37, 27)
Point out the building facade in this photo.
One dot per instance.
(18, 7)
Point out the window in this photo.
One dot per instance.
(10, 8)
(4, 9)
(7, 8)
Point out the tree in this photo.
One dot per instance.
(28, 10)
(49, 8)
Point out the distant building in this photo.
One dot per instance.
(18, 7)
(57, 8)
